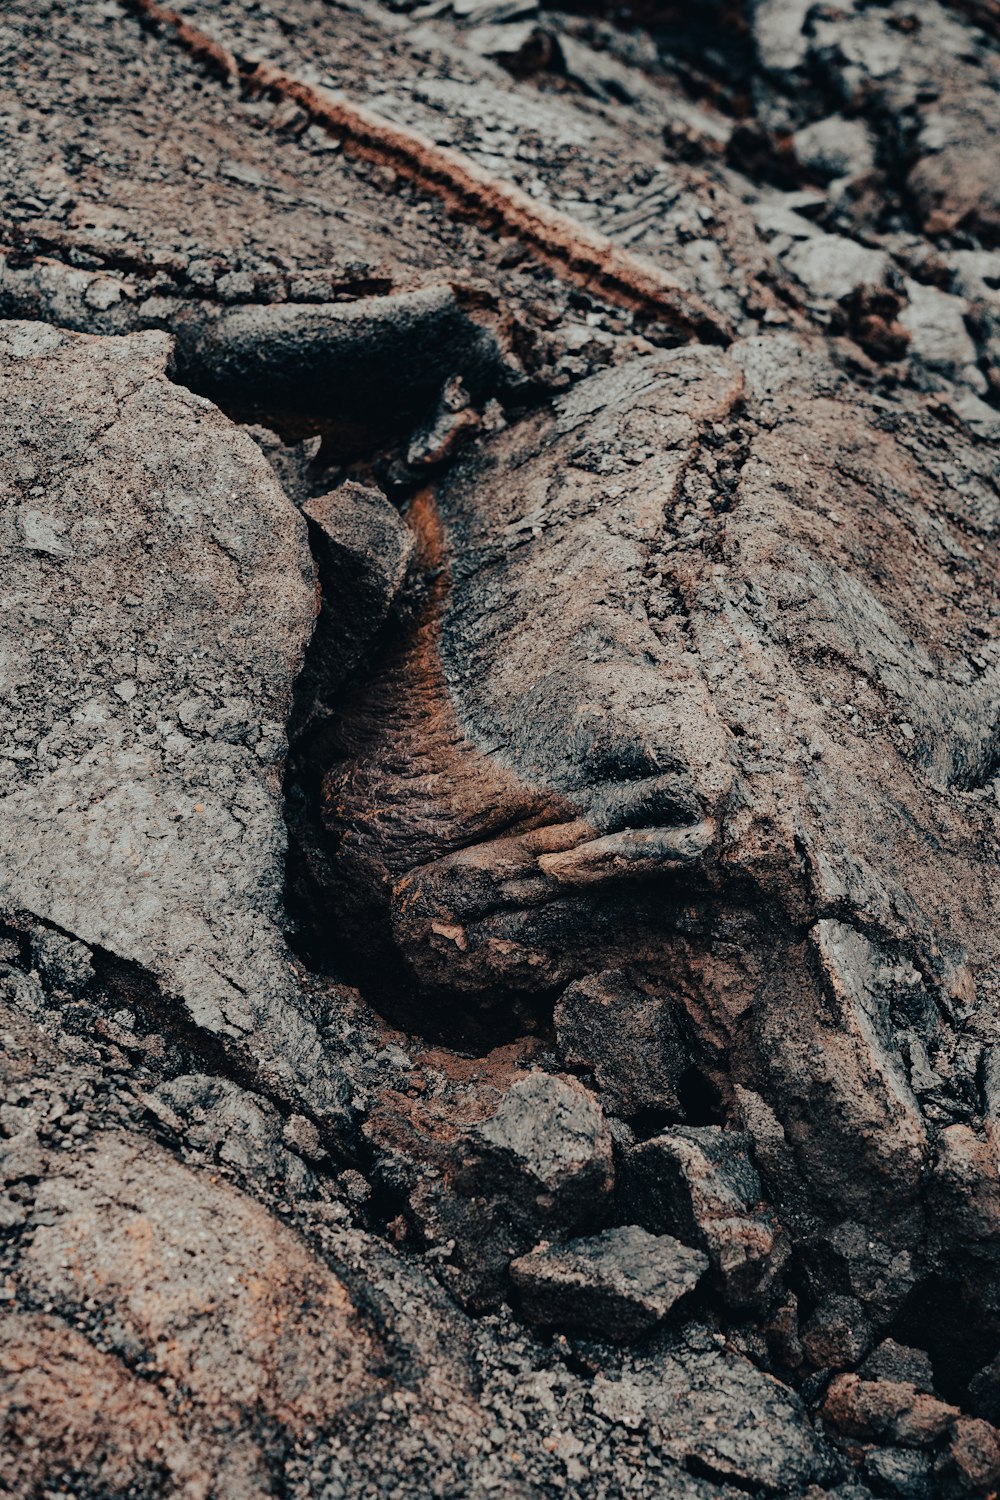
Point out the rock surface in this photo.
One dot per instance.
(498, 976)
(157, 564)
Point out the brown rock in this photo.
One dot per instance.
(886, 1411)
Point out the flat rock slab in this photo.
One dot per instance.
(159, 598)
(616, 1284)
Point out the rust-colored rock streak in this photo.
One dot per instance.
(580, 254)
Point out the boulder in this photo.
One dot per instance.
(162, 595)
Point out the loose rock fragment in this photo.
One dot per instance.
(838, 1334)
(888, 1411)
(629, 1035)
(699, 1183)
(362, 548)
(550, 1133)
(616, 1285)
(715, 1413)
(487, 1168)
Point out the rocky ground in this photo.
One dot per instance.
(500, 779)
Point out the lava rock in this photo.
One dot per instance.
(886, 1411)
(362, 548)
(143, 813)
(67, 1409)
(852, 1260)
(835, 147)
(903, 1473)
(715, 1413)
(628, 1035)
(234, 1127)
(62, 960)
(973, 1458)
(838, 1334)
(984, 1389)
(614, 1285)
(550, 1136)
(699, 1183)
(830, 266)
(485, 1168)
(937, 325)
(899, 1362)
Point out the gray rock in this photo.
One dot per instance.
(292, 462)
(830, 266)
(161, 596)
(521, 46)
(362, 547)
(939, 338)
(779, 32)
(551, 1132)
(699, 1183)
(904, 1473)
(712, 1411)
(984, 1388)
(899, 1362)
(236, 1128)
(835, 147)
(628, 1036)
(485, 1169)
(856, 1262)
(616, 1285)
(61, 960)
(838, 1334)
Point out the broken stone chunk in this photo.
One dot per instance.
(830, 266)
(853, 1260)
(835, 147)
(973, 1456)
(436, 439)
(714, 1412)
(939, 337)
(239, 1129)
(628, 1036)
(615, 1285)
(551, 1134)
(699, 1183)
(487, 1166)
(984, 1390)
(61, 960)
(892, 1361)
(905, 1472)
(362, 548)
(838, 1334)
(521, 47)
(886, 1411)
(292, 462)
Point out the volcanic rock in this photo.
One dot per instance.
(487, 1168)
(699, 1183)
(615, 1285)
(156, 562)
(629, 1037)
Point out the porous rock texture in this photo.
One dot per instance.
(499, 986)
